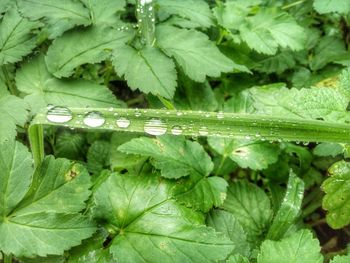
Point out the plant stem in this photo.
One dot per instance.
(7, 258)
(211, 124)
(293, 4)
(9, 83)
(36, 139)
(146, 21)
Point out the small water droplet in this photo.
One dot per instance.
(305, 143)
(247, 137)
(111, 109)
(123, 122)
(179, 113)
(203, 131)
(50, 106)
(94, 119)
(59, 114)
(176, 130)
(258, 135)
(137, 113)
(155, 127)
(220, 115)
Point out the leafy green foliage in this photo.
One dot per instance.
(13, 111)
(16, 37)
(249, 192)
(148, 70)
(336, 201)
(151, 226)
(42, 88)
(192, 50)
(327, 6)
(298, 247)
(64, 54)
(38, 211)
(251, 207)
(59, 16)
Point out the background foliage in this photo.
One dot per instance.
(123, 197)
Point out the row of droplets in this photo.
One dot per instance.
(95, 119)
(153, 126)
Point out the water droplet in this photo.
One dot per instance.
(137, 113)
(258, 135)
(220, 115)
(111, 109)
(207, 115)
(305, 143)
(203, 131)
(94, 119)
(176, 130)
(50, 106)
(59, 114)
(155, 127)
(123, 122)
(247, 137)
(179, 113)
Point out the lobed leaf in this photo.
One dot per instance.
(299, 247)
(251, 207)
(104, 12)
(39, 213)
(329, 6)
(151, 226)
(13, 112)
(174, 156)
(60, 16)
(197, 11)
(95, 45)
(336, 201)
(16, 37)
(193, 51)
(148, 70)
(41, 89)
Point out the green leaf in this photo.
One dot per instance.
(42, 88)
(16, 37)
(148, 70)
(227, 224)
(195, 96)
(120, 160)
(341, 259)
(151, 227)
(33, 218)
(196, 11)
(95, 45)
(4, 5)
(69, 145)
(299, 247)
(60, 16)
(289, 209)
(15, 176)
(237, 259)
(329, 49)
(104, 12)
(174, 156)
(91, 250)
(98, 156)
(313, 103)
(200, 192)
(328, 6)
(251, 207)
(195, 53)
(276, 64)
(256, 155)
(337, 198)
(328, 149)
(13, 112)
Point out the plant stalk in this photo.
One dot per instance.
(36, 140)
(7, 258)
(9, 83)
(146, 21)
(210, 124)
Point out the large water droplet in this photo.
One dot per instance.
(155, 127)
(59, 114)
(94, 119)
(137, 113)
(176, 130)
(203, 131)
(220, 115)
(123, 123)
